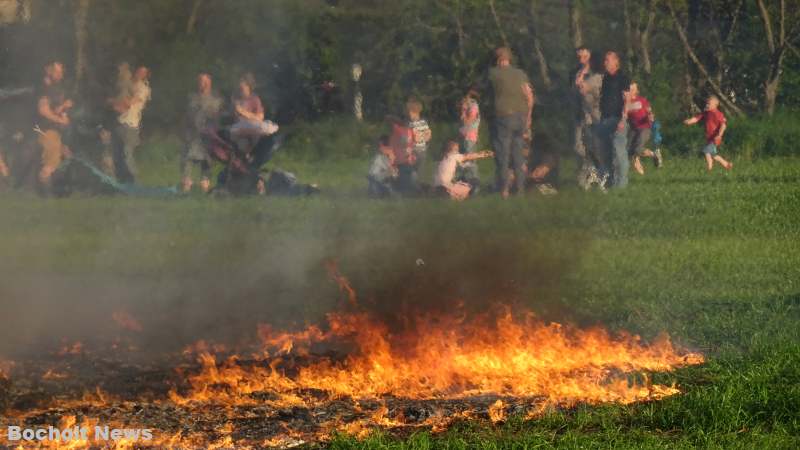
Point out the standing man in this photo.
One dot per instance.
(586, 86)
(202, 118)
(52, 120)
(612, 131)
(130, 118)
(513, 106)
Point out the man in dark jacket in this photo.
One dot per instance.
(612, 131)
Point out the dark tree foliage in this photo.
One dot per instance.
(302, 51)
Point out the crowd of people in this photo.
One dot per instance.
(614, 127)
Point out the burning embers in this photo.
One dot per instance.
(449, 357)
(356, 373)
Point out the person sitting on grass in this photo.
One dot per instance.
(545, 162)
(446, 171)
(640, 121)
(382, 171)
(715, 124)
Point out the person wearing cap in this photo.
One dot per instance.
(513, 105)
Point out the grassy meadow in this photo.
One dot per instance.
(711, 259)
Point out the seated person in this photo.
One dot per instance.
(545, 162)
(382, 171)
(446, 171)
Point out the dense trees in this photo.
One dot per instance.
(303, 51)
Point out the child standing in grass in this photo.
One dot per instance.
(410, 137)
(382, 171)
(446, 171)
(421, 135)
(715, 124)
(470, 125)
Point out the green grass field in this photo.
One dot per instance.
(711, 259)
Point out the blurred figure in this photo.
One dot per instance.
(382, 171)
(51, 122)
(513, 103)
(250, 125)
(586, 86)
(444, 178)
(640, 120)
(612, 131)
(715, 125)
(470, 127)
(127, 137)
(202, 118)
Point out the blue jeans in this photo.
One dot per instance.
(612, 151)
(469, 170)
(508, 142)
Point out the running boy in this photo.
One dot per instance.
(715, 125)
(421, 134)
(640, 121)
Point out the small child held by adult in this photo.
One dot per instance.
(715, 125)
(382, 171)
(443, 180)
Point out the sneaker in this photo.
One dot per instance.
(637, 165)
(659, 158)
(602, 183)
(592, 178)
(547, 189)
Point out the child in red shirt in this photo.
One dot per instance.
(715, 125)
(640, 120)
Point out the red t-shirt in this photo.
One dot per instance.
(713, 120)
(402, 141)
(639, 113)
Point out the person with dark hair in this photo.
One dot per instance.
(640, 120)
(612, 131)
(586, 86)
(470, 127)
(382, 171)
(513, 106)
(51, 122)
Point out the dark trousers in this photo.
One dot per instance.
(126, 140)
(508, 142)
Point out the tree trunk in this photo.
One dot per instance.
(81, 39)
(497, 23)
(628, 37)
(575, 30)
(777, 49)
(644, 41)
(459, 29)
(544, 69)
(192, 21)
(724, 99)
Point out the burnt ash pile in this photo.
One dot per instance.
(105, 388)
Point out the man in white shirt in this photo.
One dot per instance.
(130, 118)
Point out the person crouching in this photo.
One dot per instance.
(443, 179)
(382, 171)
